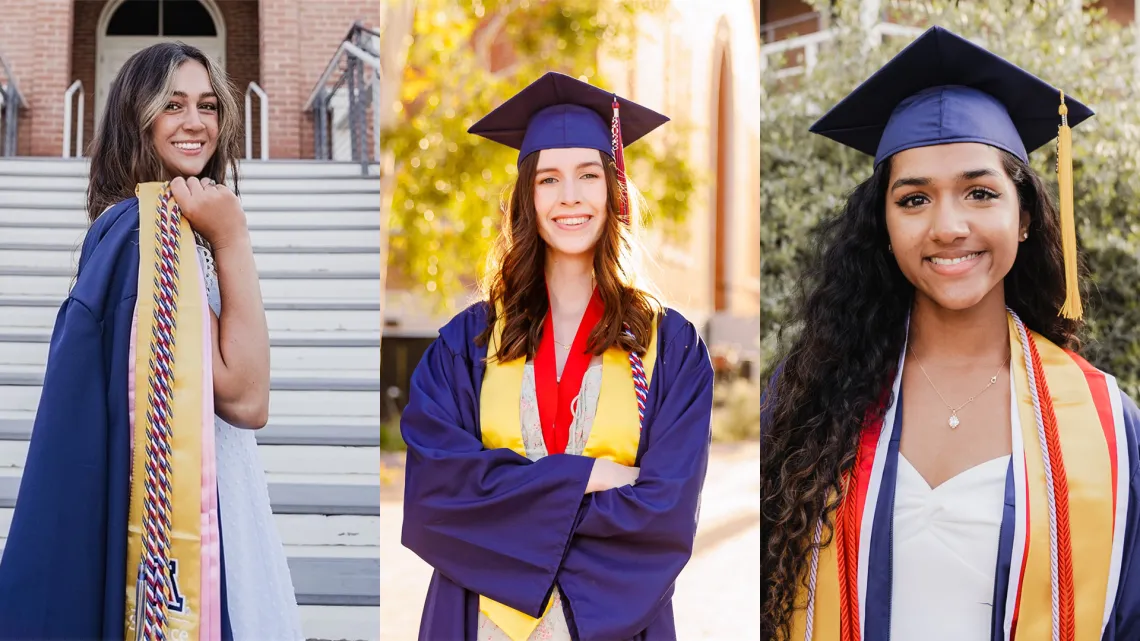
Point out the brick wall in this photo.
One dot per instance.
(284, 45)
(42, 75)
(294, 57)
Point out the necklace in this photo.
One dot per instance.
(562, 345)
(953, 421)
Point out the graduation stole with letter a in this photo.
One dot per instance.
(615, 433)
(172, 542)
(1070, 479)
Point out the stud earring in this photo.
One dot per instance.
(1025, 236)
(890, 249)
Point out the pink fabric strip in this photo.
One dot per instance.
(210, 627)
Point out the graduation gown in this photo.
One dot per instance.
(1097, 426)
(63, 573)
(493, 523)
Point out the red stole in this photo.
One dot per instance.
(554, 397)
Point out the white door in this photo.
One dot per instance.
(115, 50)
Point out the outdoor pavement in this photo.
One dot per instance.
(717, 596)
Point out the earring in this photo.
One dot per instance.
(890, 249)
(1025, 236)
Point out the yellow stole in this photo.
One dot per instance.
(184, 604)
(1089, 471)
(614, 435)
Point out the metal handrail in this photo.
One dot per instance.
(12, 100)
(356, 53)
(264, 99)
(76, 86)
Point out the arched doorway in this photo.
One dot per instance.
(722, 170)
(126, 26)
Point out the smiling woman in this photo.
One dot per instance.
(949, 280)
(561, 427)
(129, 485)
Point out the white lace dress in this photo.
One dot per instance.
(259, 589)
(553, 626)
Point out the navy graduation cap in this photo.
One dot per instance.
(943, 89)
(558, 111)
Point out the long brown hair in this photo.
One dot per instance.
(122, 153)
(516, 275)
(853, 312)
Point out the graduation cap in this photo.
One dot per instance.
(943, 89)
(558, 112)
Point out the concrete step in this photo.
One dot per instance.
(248, 169)
(285, 361)
(312, 404)
(66, 257)
(262, 237)
(281, 285)
(324, 464)
(329, 316)
(348, 431)
(264, 218)
(286, 497)
(283, 339)
(77, 200)
(358, 623)
(326, 185)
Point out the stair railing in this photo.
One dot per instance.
(76, 87)
(10, 102)
(361, 92)
(264, 101)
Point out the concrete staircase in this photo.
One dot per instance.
(315, 229)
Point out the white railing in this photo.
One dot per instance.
(76, 87)
(263, 99)
(811, 42)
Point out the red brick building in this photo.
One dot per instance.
(282, 45)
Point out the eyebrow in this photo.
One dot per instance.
(973, 174)
(592, 163)
(208, 94)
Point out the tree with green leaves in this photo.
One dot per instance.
(805, 178)
(449, 185)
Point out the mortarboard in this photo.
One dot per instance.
(558, 111)
(943, 89)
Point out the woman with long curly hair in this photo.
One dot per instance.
(1001, 499)
(143, 450)
(558, 431)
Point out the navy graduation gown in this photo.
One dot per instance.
(492, 522)
(63, 573)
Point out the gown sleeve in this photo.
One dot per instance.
(53, 569)
(1124, 623)
(632, 542)
(491, 521)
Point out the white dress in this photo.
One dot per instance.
(553, 626)
(260, 598)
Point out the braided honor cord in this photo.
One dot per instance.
(160, 388)
(640, 384)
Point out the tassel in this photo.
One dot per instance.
(619, 161)
(1072, 308)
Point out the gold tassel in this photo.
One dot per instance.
(1072, 308)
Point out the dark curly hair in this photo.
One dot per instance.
(852, 315)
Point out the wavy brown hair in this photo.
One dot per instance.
(122, 152)
(853, 314)
(516, 274)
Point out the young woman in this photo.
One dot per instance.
(558, 432)
(77, 562)
(937, 462)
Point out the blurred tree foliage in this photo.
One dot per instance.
(805, 177)
(451, 184)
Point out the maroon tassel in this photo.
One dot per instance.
(619, 160)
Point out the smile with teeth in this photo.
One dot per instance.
(953, 261)
(572, 221)
(189, 146)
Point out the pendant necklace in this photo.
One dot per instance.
(953, 421)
